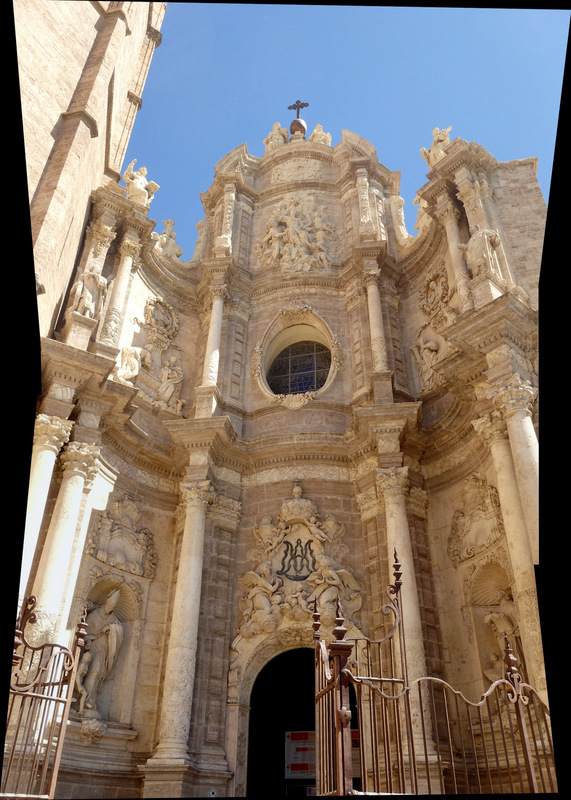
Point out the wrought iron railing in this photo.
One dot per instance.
(41, 689)
(422, 737)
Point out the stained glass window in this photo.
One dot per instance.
(301, 367)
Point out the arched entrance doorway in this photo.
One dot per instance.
(282, 701)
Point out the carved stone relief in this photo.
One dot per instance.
(297, 238)
(430, 346)
(159, 380)
(298, 561)
(117, 540)
(478, 524)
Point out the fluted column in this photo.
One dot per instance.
(79, 463)
(180, 669)
(515, 400)
(448, 214)
(493, 430)
(376, 327)
(50, 435)
(129, 251)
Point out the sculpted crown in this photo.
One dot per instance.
(297, 508)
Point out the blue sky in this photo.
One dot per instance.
(225, 73)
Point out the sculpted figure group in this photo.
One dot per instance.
(299, 561)
(296, 238)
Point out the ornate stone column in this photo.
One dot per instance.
(212, 355)
(448, 215)
(129, 251)
(376, 327)
(79, 462)
(515, 400)
(493, 430)
(178, 684)
(393, 485)
(206, 393)
(50, 435)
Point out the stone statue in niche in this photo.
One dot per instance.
(437, 150)
(103, 640)
(426, 351)
(502, 621)
(139, 189)
(170, 377)
(276, 137)
(89, 292)
(296, 239)
(478, 524)
(480, 252)
(119, 541)
(299, 560)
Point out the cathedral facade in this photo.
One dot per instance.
(223, 441)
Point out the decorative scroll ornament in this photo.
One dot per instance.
(299, 560)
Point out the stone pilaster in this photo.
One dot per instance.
(493, 430)
(223, 243)
(51, 584)
(515, 400)
(50, 435)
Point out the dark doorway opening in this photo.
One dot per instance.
(282, 700)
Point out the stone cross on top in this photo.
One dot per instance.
(297, 106)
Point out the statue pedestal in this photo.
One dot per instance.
(485, 290)
(382, 386)
(207, 401)
(78, 330)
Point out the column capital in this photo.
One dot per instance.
(218, 290)
(514, 397)
(446, 209)
(101, 236)
(491, 428)
(130, 248)
(372, 277)
(198, 494)
(81, 459)
(51, 433)
(393, 482)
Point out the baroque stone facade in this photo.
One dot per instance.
(224, 440)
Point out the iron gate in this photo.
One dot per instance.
(41, 689)
(422, 737)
